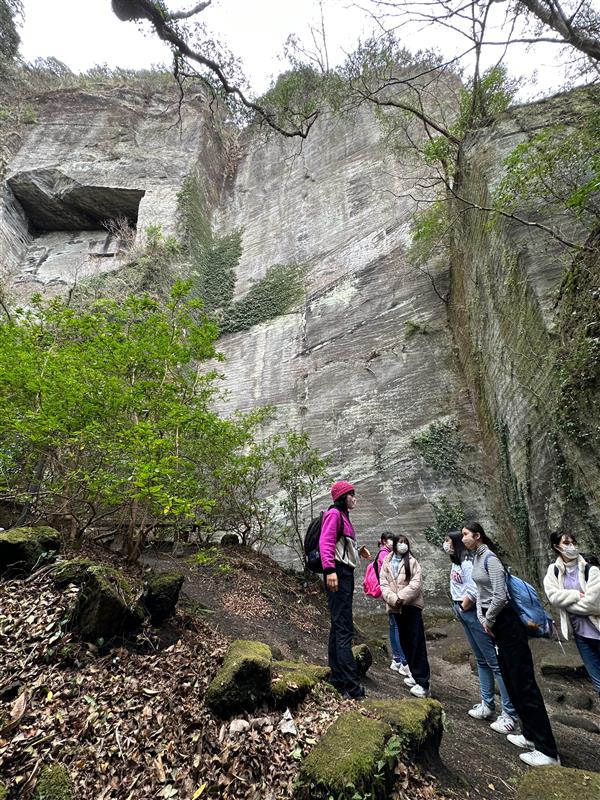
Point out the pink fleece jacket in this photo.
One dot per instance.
(328, 541)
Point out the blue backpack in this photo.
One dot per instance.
(526, 602)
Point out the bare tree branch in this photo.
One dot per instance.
(551, 14)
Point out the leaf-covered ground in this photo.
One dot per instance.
(131, 723)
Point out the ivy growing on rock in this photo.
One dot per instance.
(441, 446)
(448, 517)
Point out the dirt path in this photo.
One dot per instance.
(246, 595)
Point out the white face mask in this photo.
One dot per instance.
(389, 544)
(569, 551)
(448, 547)
(402, 548)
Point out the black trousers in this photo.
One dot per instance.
(412, 640)
(344, 674)
(516, 666)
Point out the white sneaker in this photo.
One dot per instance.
(419, 691)
(481, 711)
(520, 741)
(539, 759)
(405, 670)
(396, 666)
(410, 681)
(504, 724)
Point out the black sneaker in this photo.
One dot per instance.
(357, 694)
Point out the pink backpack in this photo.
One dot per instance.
(371, 580)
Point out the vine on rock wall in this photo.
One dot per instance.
(441, 446)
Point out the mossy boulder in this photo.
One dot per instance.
(243, 682)
(105, 606)
(53, 784)
(161, 596)
(565, 665)
(363, 657)
(293, 680)
(349, 759)
(418, 724)
(22, 548)
(73, 571)
(558, 783)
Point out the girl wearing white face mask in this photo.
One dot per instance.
(573, 587)
(401, 587)
(399, 663)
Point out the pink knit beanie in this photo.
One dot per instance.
(339, 488)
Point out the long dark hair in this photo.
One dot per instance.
(556, 536)
(460, 551)
(406, 557)
(341, 504)
(475, 527)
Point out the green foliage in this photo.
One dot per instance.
(411, 327)
(441, 446)
(281, 288)
(9, 36)
(448, 517)
(560, 165)
(211, 557)
(105, 411)
(430, 231)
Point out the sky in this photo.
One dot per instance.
(84, 33)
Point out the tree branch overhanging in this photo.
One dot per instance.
(129, 10)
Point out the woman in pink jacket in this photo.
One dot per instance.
(401, 586)
(339, 557)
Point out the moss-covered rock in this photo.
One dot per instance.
(244, 680)
(22, 548)
(559, 783)
(161, 596)
(293, 680)
(3, 791)
(349, 759)
(363, 657)
(73, 571)
(105, 606)
(418, 725)
(567, 665)
(53, 784)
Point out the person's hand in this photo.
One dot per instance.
(581, 594)
(332, 582)
(363, 552)
(399, 601)
(488, 630)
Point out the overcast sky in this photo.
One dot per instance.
(83, 33)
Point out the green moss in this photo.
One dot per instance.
(244, 680)
(456, 654)
(559, 783)
(25, 547)
(105, 606)
(293, 680)
(347, 761)
(448, 517)
(363, 657)
(161, 595)
(417, 724)
(53, 784)
(73, 571)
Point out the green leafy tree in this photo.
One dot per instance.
(10, 10)
(106, 413)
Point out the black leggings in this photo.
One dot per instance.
(412, 641)
(516, 666)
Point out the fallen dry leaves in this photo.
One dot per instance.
(131, 723)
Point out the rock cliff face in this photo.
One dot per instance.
(516, 344)
(368, 360)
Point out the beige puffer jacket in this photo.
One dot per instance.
(568, 601)
(394, 589)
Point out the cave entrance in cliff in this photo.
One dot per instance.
(77, 230)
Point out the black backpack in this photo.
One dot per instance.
(311, 543)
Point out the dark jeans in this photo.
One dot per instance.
(516, 666)
(344, 674)
(589, 650)
(412, 639)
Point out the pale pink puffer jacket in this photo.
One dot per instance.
(399, 588)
